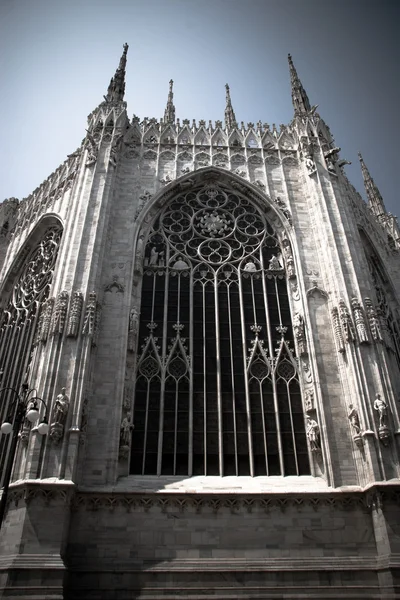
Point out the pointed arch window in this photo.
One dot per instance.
(386, 304)
(217, 381)
(23, 310)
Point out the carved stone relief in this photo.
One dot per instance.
(75, 315)
(373, 320)
(359, 320)
(59, 314)
(347, 323)
(47, 313)
(338, 330)
(90, 315)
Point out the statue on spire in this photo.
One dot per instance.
(230, 119)
(116, 89)
(169, 113)
(300, 99)
(375, 199)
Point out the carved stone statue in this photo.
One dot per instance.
(59, 415)
(180, 264)
(126, 428)
(313, 434)
(60, 408)
(125, 436)
(382, 409)
(153, 262)
(347, 322)
(299, 333)
(354, 419)
(274, 264)
(250, 267)
(133, 320)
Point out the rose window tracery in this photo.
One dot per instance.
(211, 395)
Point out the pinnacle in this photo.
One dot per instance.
(230, 118)
(116, 89)
(375, 199)
(300, 99)
(169, 113)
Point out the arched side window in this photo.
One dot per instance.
(385, 298)
(217, 384)
(20, 317)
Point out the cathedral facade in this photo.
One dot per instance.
(209, 316)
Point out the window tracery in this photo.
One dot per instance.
(25, 319)
(217, 379)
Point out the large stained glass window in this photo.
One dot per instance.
(216, 383)
(20, 317)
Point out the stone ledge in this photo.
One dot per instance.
(328, 563)
(31, 561)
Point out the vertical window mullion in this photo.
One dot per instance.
(264, 428)
(163, 374)
(176, 423)
(292, 426)
(228, 289)
(218, 375)
(203, 284)
(246, 381)
(191, 358)
(146, 420)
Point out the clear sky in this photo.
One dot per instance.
(57, 57)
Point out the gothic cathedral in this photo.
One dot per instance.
(206, 319)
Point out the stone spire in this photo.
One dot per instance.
(116, 89)
(300, 99)
(230, 119)
(373, 194)
(169, 113)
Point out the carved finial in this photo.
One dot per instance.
(169, 113)
(230, 119)
(375, 199)
(300, 99)
(116, 89)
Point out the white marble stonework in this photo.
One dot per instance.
(266, 497)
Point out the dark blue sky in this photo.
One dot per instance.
(57, 56)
